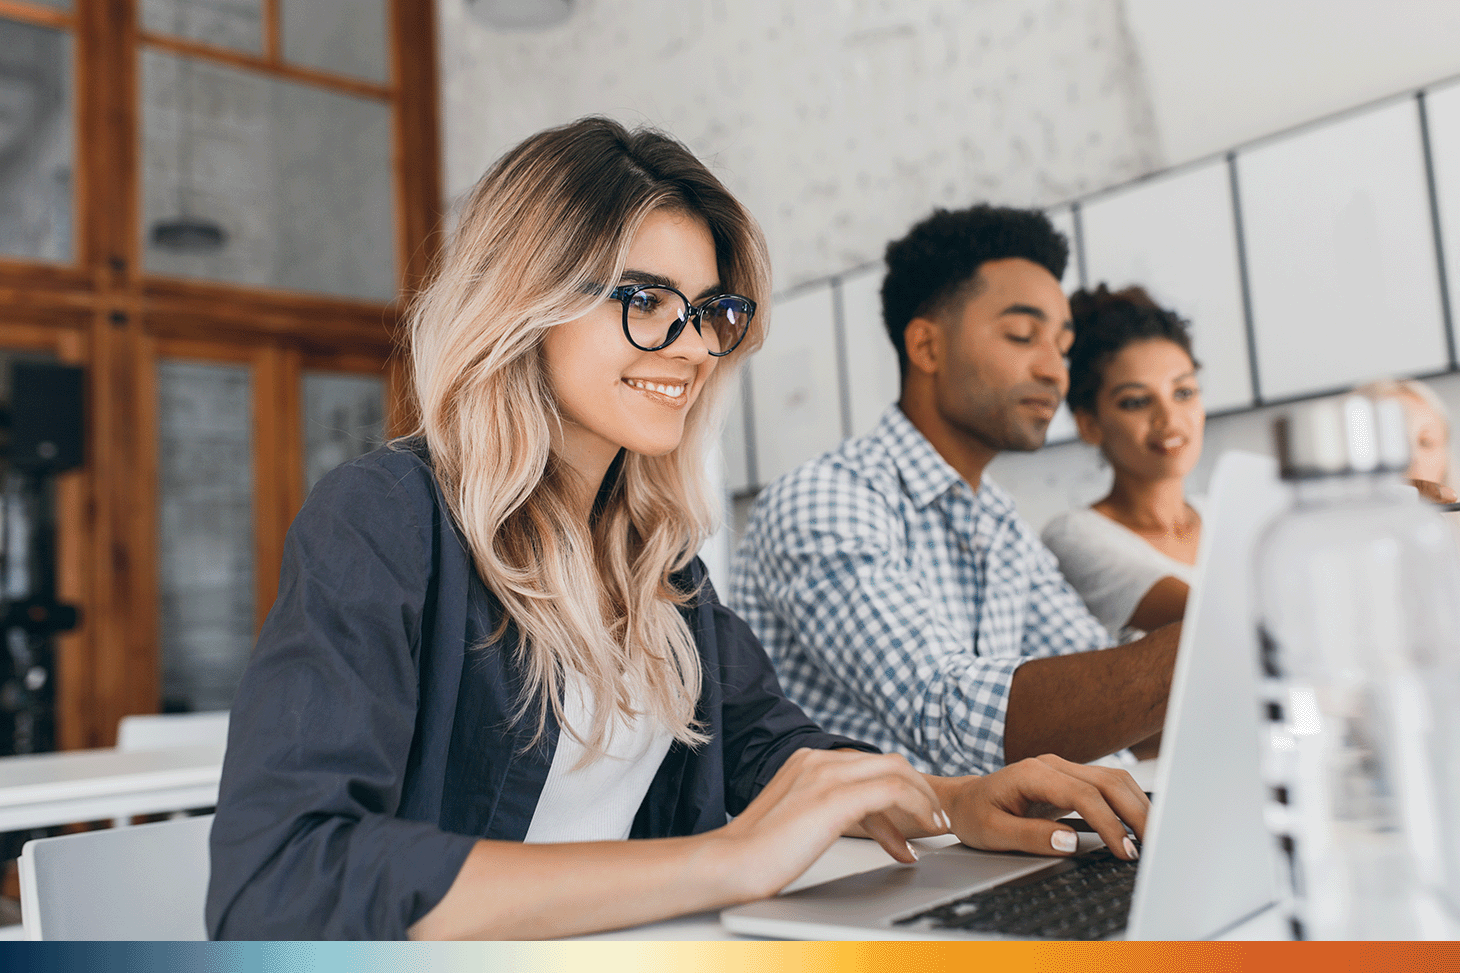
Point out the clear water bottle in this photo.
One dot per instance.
(1359, 621)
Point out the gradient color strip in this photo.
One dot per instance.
(760, 957)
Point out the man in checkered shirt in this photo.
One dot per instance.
(902, 598)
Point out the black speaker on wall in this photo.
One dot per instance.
(45, 416)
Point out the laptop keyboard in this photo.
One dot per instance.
(1087, 898)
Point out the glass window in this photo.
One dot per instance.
(205, 531)
(344, 36)
(344, 417)
(237, 24)
(35, 142)
(253, 180)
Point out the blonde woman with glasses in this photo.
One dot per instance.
(497, 696)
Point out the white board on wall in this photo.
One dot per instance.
(873, 381)
(1175, 237)
(1062, 426)
(733, 444)
(1063, 218)
(795, 395)
(1443, 108)
(1340, 254)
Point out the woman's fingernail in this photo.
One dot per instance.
(946, 824)
(911, 850)
(1065, 841)
(1131, 851)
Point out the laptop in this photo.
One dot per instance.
(1207, 861)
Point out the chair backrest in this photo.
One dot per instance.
(144, 882)
(158, 731)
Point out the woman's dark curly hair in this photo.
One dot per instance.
(1105, 322)
(935, 267)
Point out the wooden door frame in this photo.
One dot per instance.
(103, 311)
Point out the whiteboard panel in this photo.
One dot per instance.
(872, 376)
(794, 392)
(1063, 219)
(1175, 237)
(1340, 254)
(1062, 426)
(732, 441)
(1443, 107)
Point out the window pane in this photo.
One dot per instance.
(228, 23)
(205, 531)
(35, 142)
(344, 417)
(253, 180)
(345, 36)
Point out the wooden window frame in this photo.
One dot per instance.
(104, 311)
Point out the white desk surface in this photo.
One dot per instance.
(849, 856)
(40, 790)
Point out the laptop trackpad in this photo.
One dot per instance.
(898, 889)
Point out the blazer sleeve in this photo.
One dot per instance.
(306, 843)
(760, 727)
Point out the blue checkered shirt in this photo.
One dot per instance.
(896, 602)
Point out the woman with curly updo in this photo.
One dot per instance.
(1135, 395)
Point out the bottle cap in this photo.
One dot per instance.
(1342, 434)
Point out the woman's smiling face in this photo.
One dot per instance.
(611, 394)
(1148, 418)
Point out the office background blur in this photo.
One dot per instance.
(214, 207)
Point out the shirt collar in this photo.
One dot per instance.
(925, 474)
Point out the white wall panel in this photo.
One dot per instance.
(794, 384)
(1175, 237)
(1443, 108)
(1062, 426)
(1340, 254)
(733, 440)
(872, 376)
(1064, 221)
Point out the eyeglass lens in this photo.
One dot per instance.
(652, 313)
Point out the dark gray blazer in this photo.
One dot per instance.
(371, 740)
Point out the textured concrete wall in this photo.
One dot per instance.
(837, 123)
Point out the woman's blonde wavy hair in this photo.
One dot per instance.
(540, 235)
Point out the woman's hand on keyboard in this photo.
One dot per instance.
(816, 797)
(1013, 809)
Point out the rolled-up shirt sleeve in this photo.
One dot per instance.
(306, 843)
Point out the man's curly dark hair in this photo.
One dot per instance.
(934, 269)
(1105, 322)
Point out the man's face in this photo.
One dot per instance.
(1005, 369)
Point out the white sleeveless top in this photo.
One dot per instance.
(597, 802)
(1110, 565)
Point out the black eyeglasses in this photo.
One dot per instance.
(655, 315)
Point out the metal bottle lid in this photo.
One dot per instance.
(1342, 434)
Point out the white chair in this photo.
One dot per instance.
(158, 731)
(148, 881)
